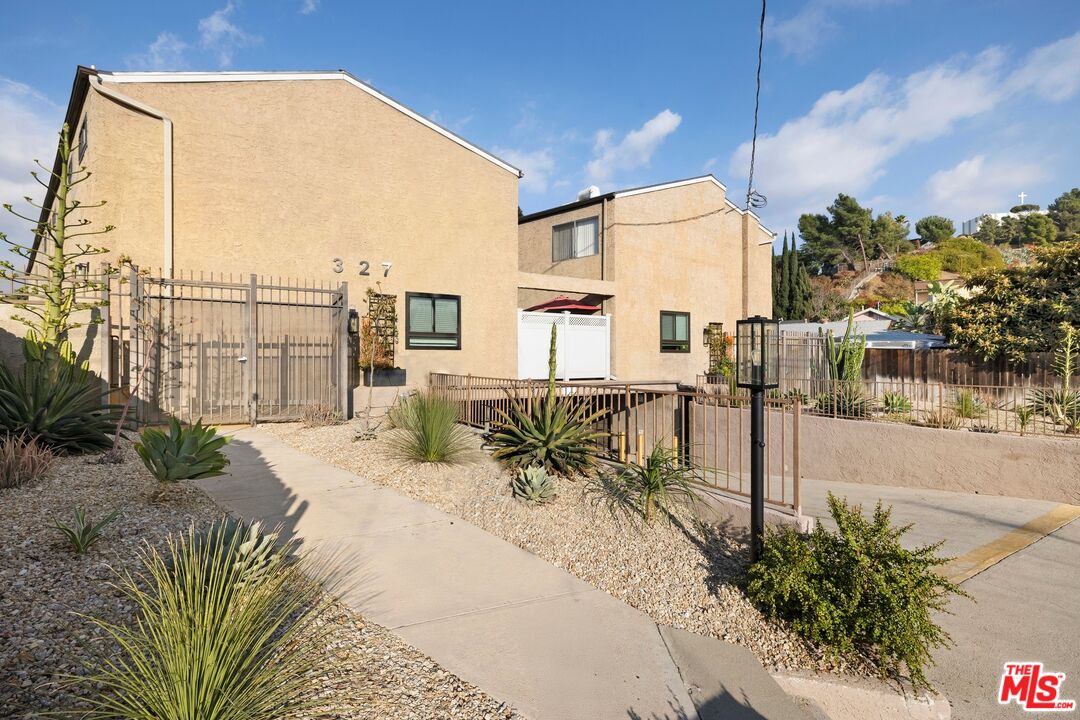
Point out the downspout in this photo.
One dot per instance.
(167, 153)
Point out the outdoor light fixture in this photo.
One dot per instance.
(354, 322)
(757, 367)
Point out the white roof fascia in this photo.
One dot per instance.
(243, 76)
(666, 186)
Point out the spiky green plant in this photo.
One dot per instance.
(216, 640)
(426, 430)
(946, 419)
(184, 453)
(984, 428)
(846, 357)
(895, 403)
(658, 484)
(552, 432)
(968, 405)
(533, 485)
(22, 460)
(1024, 416)
(82, 533)
(846, 400)
(56, 401)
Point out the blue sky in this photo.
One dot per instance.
(913, 106)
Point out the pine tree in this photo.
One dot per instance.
(792, 283)
(778, 300)
(800, 304)
(782, 293)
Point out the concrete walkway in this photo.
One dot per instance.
(522, 630)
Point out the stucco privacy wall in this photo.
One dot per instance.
(1045, 468)
(279, 178)
(693, 266)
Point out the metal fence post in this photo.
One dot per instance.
(343, 352)
(106, 335)
(253, 350)
(796, 478)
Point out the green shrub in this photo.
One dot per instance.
(184, 453)
(659, 483)
(965, 254)
(1024, 416)
(968, 405)
(923, 266)
(83, 533)
(857, 591)
(217, 640)
(22, 460)
(554, 434)
(426, 430)
(58, 403)
(532, 484)
(895, 403)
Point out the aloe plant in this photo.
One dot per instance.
(895, 403)
(184, 453)
(533, 485)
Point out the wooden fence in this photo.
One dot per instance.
(708, 432)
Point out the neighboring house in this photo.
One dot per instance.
(947, 280)
(868, 314)
(309, 175)
(970, 227)
(663, 261)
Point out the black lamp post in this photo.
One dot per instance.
(757, 367)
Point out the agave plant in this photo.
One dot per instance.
(184, 453)
(1058, 406)
(533, 485)
(554, 434)
(1024, 416)
(240, 548)
(895, 403)
(57, 402)
(82, 533)
(968, 405)
(845, 400)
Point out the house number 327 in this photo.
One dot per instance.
(339, 266)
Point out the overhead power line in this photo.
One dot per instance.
(754, 199)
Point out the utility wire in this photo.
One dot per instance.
(755, 199)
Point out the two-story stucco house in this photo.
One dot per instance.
(664, 261)
(316, 176)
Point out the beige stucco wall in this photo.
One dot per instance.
(534, 245)
(1045, 468)
(278, 178)
(694, 266)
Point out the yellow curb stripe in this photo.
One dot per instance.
(972, 563)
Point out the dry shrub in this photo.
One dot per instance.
(319, 415)
(22, 460)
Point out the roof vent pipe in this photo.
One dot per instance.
(588, 193)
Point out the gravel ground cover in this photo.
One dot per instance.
(681, 574)
(44, 587)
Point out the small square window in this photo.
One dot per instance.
(674, 331)
(432, 322)
(576, 239)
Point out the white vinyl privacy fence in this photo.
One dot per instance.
(583, 345)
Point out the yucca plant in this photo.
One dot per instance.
(57, 402)
(533, 485)
(968, 405)
(659, 483)
(1024, 416)
(846, 400)
(426, 430)
(552, 432)
(184, 452)
(22, 460)
(243, 545)
(216, 641)
(895, 403)
(82, 533)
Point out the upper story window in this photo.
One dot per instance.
(84, 137)
(576, 239)
(432, 322)
(674, 331)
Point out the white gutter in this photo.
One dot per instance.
(167, 151)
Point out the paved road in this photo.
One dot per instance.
(1027, 606)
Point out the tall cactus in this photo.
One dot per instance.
(846, 357)
(551, 369)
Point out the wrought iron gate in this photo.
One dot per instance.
(231, 350)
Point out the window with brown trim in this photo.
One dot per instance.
(674, 331)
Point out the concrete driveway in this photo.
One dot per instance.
(1019, 558)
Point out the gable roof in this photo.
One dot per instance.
(628, 192)
(281, 76)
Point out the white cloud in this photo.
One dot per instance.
(978, 185)
(219, 35)
(845, 142)
(309, 6)
(165, 53)
(634, 151)
(805, 32)
(537, 166)
(30, 122)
